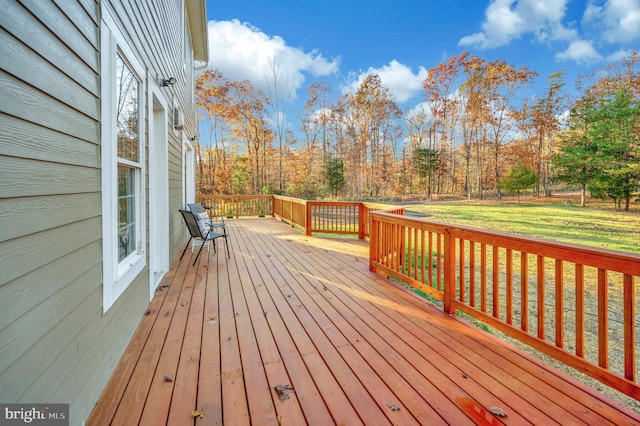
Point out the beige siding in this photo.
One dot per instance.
(56, 345)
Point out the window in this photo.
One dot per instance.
(128, 137)
(122, 164)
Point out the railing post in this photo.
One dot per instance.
(307, 218)
(373, 242)
(449, 271)
(362, 220)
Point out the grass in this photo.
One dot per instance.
(595, 227)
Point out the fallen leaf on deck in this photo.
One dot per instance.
(283, 391)
(168, 378)
(496, 411)
(197, 413)
(149, 312)
(393, 406)
(213, 320)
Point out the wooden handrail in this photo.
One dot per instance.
(512, 282)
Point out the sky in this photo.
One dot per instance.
(341, 42)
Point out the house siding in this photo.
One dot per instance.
(56, 344)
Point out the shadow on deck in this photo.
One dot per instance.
(296, 330)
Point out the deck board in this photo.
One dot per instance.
(288, 309)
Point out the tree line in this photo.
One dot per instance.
(474, 135)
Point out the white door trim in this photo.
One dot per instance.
(158, 187)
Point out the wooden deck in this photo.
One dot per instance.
(289, 310)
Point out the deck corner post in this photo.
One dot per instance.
(361, 221)
(273, 205)
(307, 218)
(373, 242)
(449, 271)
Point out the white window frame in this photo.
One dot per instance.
(117, 276)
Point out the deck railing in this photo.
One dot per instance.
(574, 303)
(326, 217)
(237, 205)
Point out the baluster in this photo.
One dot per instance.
(509, 294)
(430, 259)
(579, 310)
(461, 268)
(496, 282)
(629, 329)
(472, 274)
(483, 277)
(524, 291)
(559, 304)
(603, 319)
(540, 279)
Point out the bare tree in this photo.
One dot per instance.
(280, 90)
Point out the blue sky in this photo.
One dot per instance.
(343, 41)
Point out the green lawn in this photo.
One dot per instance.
(567, 223)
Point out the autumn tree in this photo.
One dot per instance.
(213, 159)
(249, 124)
(503, 83)
(419, 127)
(315, 125)
(235, 114)
(440, 86)
(476, 114)
(538, 120)
(376, 115)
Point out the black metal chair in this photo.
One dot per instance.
(205, 235)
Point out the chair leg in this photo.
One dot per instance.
(226, 242)
(198, 255)
(185, 248)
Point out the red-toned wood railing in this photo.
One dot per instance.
(574, 303)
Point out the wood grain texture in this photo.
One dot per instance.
(288, 309)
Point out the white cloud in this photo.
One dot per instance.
(398, 78)
(617, 56)
(581, 52)
(605, 25)
(618, 20)
(507, 20)
(243, 52)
